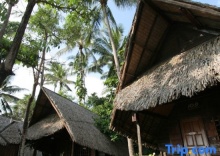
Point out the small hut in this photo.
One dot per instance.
(10, 136)
(59, 126)
(170, 83)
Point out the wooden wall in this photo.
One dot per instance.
(9, 150)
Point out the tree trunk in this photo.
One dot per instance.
(117, 65)
(6, 67)
(2, 31)
(25, 125)
(26, 119)
(130, 147)
(114, 51)
(43, 59)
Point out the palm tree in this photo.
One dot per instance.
(57, 75)
(107, 17)
(7, 97)
(20, 107)
(102, 48)
(77, 33)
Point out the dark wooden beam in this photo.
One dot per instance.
(190, 6)
(157, 10)
(136, 120)
(208, 31)
(191, 18)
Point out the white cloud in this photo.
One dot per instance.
(23, 78)
(94, 84)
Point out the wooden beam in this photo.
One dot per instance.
(186, 5)
(135, 119)
(191, 17)
(72, 148)
(139, 139)
(208, 31)
(157, 10)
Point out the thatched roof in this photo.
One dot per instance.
(154, 21)
(45, 127)
(78, 121)
(183, 75)
(10, 131)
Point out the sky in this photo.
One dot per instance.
(24, 76)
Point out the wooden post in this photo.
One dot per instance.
(72, 149)
(135, 119)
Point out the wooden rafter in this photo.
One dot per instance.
(186, 5)
(188, 14)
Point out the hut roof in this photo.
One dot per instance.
(153, 22)
(78, 121)
(172, 52)
(183, 75)
(10, 131)
(45, 127)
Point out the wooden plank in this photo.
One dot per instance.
(138, 135)
(191, 6)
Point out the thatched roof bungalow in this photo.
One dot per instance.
(59, 126)
(171, 75)
(10, 136)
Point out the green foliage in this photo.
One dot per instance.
(45, 23)
(102, 106)
(56, 74)
(7, 97)
(3, 11)
(19, 108)
(28, 52)
(11, 30)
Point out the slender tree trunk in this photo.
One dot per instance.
(25, 125)
(43, 59)
(117, 65)
(114, 51)
(2, 31)
(6, 67)
(26, 119)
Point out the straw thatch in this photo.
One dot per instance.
(78, 121)
(10, 131)
(183, 75)
(154, 21)
(47, 126)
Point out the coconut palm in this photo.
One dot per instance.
(7, 97)
(106, 15)
(57, 75)
(102, 47)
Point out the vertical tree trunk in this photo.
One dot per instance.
(6, 67)
(117, 65)
(25, 125)
(2, 31)
(43, 59)
(26, 119)
(114, 51)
